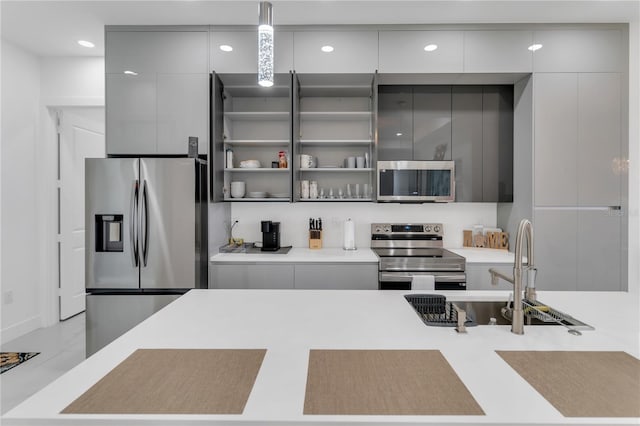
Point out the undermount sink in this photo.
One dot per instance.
(435, 310)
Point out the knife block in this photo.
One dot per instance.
(315, 239)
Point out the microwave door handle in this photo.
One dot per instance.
(145, 227)
(133, 220)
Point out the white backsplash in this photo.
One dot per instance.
(294, 219)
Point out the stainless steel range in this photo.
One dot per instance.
(409, 249)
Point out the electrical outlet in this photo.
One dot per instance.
(7, 297)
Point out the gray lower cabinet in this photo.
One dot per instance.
(332, 276)
(556, 236)
(252, 275)
(318, 276)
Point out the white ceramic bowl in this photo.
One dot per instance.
(238, 189)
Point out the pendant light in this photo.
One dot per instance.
(265, 45)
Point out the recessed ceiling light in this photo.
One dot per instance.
(327, 49)
(85, 43)
(534, 47)
(430, 47)
(399, 134)
(128, 72)
(226, 48)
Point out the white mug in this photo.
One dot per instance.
(306, 161)
(238, 189)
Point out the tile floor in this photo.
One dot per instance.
(61, 348)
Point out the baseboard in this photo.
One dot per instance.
(20, 329)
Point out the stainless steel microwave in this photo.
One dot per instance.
(416, 181)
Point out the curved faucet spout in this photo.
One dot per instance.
(525, 230)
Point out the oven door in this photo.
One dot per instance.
(416, 181)
(402, 280)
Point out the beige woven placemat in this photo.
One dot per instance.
(582, 384)
(174, 381)
(385, 382)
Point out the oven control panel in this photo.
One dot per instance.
(391, 229)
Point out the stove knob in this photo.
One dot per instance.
(427, 228)
(436, 228)
(387, 229)
(378, 229)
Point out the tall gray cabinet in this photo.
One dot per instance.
(578, 184)
(157, 89)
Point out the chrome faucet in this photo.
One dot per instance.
(525, 229)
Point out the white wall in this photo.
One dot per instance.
(20, 258)
(73, 81)
(294, 219)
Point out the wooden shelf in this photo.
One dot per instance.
(257, 115)
(257, 142)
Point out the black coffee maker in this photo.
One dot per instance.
(270, 235)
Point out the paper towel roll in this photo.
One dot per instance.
(423, 282)
(349, 235)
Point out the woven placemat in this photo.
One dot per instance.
(174, 381)
(385, 382)
(582, 384)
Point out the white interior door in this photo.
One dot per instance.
(81, 136)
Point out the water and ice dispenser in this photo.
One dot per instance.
(108, 231)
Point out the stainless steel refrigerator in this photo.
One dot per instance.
(146, 239)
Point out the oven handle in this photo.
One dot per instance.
(408, 276)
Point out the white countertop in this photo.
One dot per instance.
(300, 255)
(484, 255)
(288, 323)
(361, 255)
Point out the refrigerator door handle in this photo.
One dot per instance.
(145, 223)
(132, 223)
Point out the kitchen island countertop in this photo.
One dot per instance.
(288, 323)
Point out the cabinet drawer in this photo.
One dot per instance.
(329, 276)
(253, 276)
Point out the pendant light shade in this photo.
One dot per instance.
(265, 45)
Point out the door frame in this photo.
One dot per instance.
(47, 223)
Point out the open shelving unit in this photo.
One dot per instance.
(334, 118)
(256, 125)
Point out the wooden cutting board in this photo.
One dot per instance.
(174, 381)
(582, 384)
(385, 382)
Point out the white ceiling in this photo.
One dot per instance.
(51, 28)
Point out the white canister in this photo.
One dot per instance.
(349, 235)
(238, 189)
(313, 189)
(304, 189)
(305, 161)
(360, 162)
(229, 160)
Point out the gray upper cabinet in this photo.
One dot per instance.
(599, 139)
(556, 139)
(395, 118)
(482, 142)
(577, 139)
(432, 123)
(404, 52)
(243, 58)
(131, 113)
(466, 136)
(497, 51)
(163, 51)
(579, 50)
(157, 91)
(353, 52)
